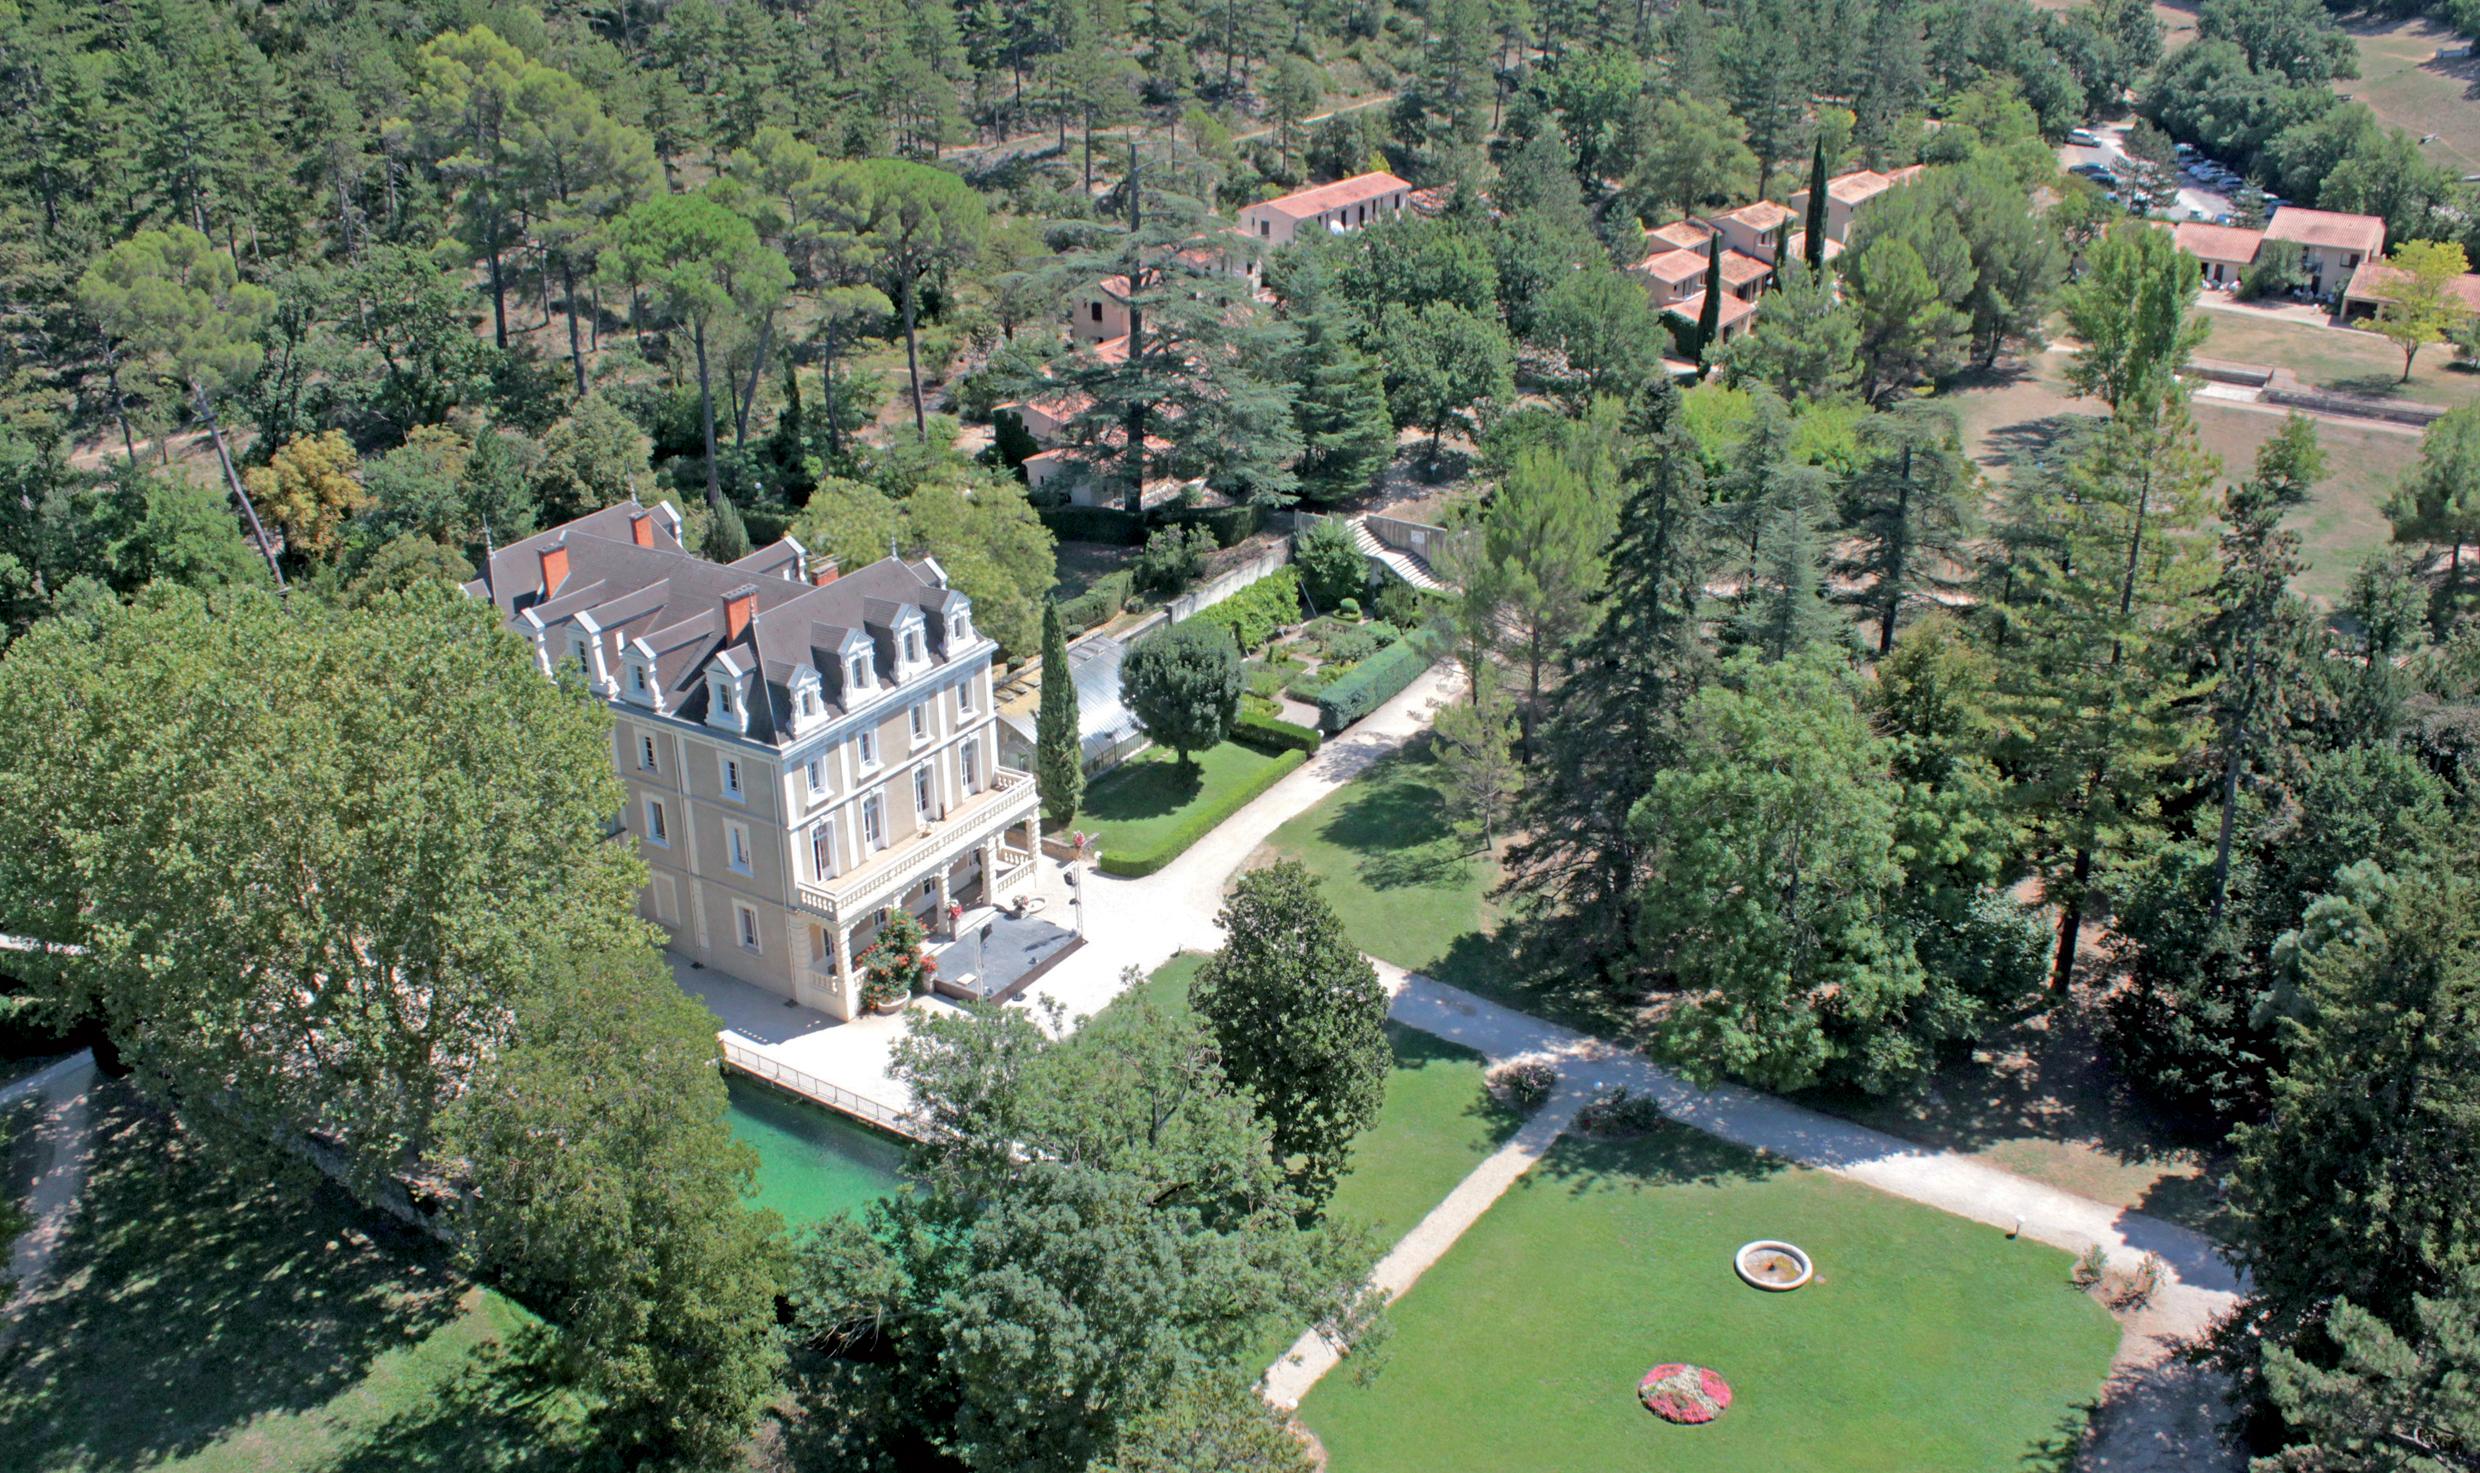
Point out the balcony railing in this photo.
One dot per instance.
(847, 897)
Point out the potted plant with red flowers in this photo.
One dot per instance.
(896, 966)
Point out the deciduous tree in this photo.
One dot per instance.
(1299, 1021)
(1183, 684)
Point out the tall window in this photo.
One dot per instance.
(747, 920)
(645, 754)
(822, 850)
(921, 720)
(970, 755)
(731, 777)
(657, 831)
(736, 838)
(964, 698)
(816, 772)
(873, 822)
(867, 742)
(921, 790)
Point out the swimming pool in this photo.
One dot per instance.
(812, 1162)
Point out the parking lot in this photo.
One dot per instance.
(2196, 201)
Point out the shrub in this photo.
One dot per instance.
(1331, 568)
(1523, 1083)
(1196, 825)
(1620, 1113)
(1257, 613)
(1272, 734)
(2090, 1265)
(1097, 604)
(1349, 608)
(896, 966)
(1173, 558)
(1403, 605)
(1310, 686)
(2139, 1290)
(1352, 643)
(1370, 684)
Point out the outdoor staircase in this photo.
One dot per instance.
(1403, 565)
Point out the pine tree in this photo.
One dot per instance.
(1909, 510)
(1782, 609)
(2099, 687)
(1614, 724)
(2256, 616)
(1058, 756)
(1346, 436)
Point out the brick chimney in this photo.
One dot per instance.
(822, 572)
(554, 568)
(738, 605)
(641, 529)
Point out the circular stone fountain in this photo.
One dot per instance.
(1776, 1267)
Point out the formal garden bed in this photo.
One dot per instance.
(1941, 1346)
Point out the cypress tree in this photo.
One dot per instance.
(1709, 316)
(1058, 759)
(1612, 727)
(1816, 224)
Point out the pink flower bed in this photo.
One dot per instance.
(1689, 1395)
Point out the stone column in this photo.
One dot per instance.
(946, 869)
(842, 937)
(990, 870)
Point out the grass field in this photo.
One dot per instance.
(2021, 410)
(1148, 809)
(2348, 360)
(2407, 87)
(1926, 1343)
(1414, 891)
(210, 1322)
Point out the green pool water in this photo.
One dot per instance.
(812, 1163)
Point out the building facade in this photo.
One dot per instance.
(804, 753)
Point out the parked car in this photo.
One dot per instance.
(2085, 136)
(2091, 171)
(2184, 150)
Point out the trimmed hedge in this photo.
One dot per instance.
(1198, 824)
(1097, 604)
(1370, 684)
(1093, 524)
(1258, 612)
(1272, 734)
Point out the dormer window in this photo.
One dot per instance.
(912, 647)
(857, 672)
(637, 680)
(809, 701)
(723, 698)
(959, 628)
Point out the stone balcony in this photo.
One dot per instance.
(859, 892)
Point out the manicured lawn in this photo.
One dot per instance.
(2348, 360)
(2408, 87)
(1410, 889)
(1147, 810)
(206, 1320)
(1926, 1343)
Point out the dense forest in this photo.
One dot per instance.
(1817, 746)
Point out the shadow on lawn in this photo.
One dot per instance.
(1143, 789)
(503, 1410)
(1669, 1155)
(185, 1301)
